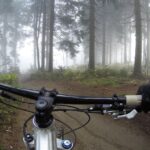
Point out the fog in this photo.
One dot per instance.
(45, 35)
(61, 59)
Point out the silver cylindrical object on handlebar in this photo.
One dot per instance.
(133, 100)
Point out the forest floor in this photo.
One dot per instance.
(102, 133)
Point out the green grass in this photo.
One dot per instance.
(101, 81)
(2, 148)
(6, 112)
(9, 78)
(101, 76)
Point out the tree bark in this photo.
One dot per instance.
(137, 72)
(148, 36)
(130, 43)
(104, 40)
(92, 35)
(125, 44)
(37, 22)
(110, 49)
(52, 22)
(43, 36)
(4, 42)
(15, 42)
(35, 33)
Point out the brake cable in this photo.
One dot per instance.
(77, 110)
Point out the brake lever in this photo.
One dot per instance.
(115, 113)
(129, 115)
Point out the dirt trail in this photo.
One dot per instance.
(102, 133)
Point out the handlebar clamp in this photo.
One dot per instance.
(44, 107)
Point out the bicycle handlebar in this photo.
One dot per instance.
(71, 99)
(28, 93)
(43, 118)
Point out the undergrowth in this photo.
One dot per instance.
(6, 112)
(105, 76)
(2, 148)
(9, 78)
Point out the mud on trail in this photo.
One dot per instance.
(102, 133)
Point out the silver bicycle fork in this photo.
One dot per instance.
(45, 139)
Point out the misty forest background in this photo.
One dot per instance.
(108, 33)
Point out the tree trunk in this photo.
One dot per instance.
(37, 22)
(130, 43)
(104, 41)
(148, 36)
(47, 49)
(35, 34)
(125, 44)
(137, 72)
(15, 42)
(110, 49)
(4, 42)
(52, 21)
(104, 33)
(35, 54)
(92, 35)
(43, 36)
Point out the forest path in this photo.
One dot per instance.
(102, 133)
